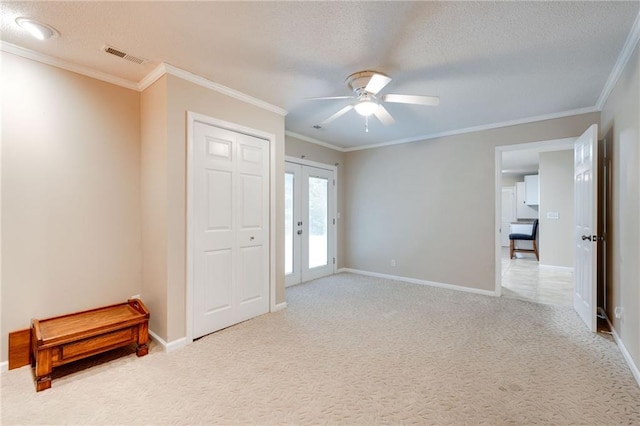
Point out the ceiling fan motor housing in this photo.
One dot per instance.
(359, 80)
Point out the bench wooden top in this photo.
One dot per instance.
(53, 330)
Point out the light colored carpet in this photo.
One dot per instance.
(357, 350)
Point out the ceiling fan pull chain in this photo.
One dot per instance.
(366, 124)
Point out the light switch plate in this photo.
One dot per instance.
(553, 215)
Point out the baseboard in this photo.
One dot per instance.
(625, 353)
(421, 282)
(279, 307)
(4, 366)
(171, 346)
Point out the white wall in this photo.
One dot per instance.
(557, 245)
(70, 193)
(430, 204)
(621, 125)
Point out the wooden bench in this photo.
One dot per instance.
(60, 340)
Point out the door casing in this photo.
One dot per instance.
(549, 145)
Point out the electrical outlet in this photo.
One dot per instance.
(393, 262)
(619, 312)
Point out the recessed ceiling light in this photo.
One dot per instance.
(37, 29)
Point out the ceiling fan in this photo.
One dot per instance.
(367, 85)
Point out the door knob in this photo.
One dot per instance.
(589, 237)
(252, 238)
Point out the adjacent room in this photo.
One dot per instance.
(320, 212)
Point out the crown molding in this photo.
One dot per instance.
(479, 128)
(201, 81)
(624, 56)
(314, 141)
(60, 63)
(152, 77)
(147, 81)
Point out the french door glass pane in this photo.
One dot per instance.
(318, 218)
(288, 223)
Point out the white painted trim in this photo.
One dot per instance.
(279, 307)
(541, 146)
(152, 77)
(273, 189)
(625, 353)
(479, 128)
(4, 366)
(623, 58)
(421, 282)
(302, 161)
(147, 81)
(314, 141)
(201, 81)
(171, 346)
(192, 117)
(498, 222)
(60, 63)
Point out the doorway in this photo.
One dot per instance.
(309, 221)
(519, 167)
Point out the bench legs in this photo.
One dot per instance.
(44, 366)
(142, 347)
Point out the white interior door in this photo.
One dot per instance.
(309, 223)
(586, 219)
(508, 213)
(231, 228)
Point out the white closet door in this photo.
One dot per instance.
(231, 228)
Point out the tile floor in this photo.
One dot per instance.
(523, 278)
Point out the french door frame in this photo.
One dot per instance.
(333, 213)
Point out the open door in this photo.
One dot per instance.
(586, 221)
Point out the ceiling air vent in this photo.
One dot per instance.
(124, 55)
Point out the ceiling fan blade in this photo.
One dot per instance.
(384, 116)
(330, 97)
(338, 114)
(412, 99)
(377, 83)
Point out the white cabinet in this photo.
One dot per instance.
(523, 210)
(532, 190)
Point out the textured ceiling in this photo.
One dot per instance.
(488, 62)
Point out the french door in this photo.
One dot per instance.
(309, 223)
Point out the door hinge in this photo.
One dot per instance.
(334, 182)
(334, 220)
(334, 260)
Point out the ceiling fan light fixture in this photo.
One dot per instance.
(37, 29)
(366, 108)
